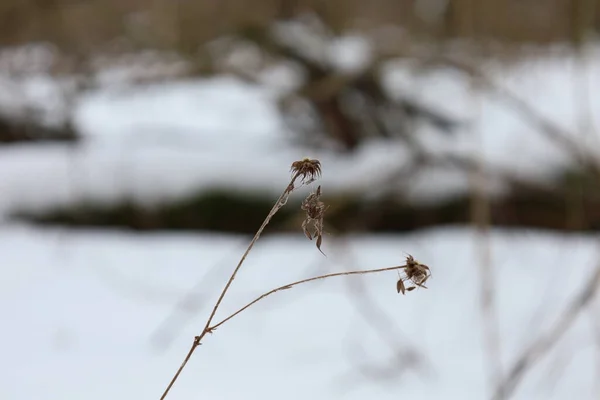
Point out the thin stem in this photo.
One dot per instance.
(183, 364)
(481, 219)
(291, 285)
(278, 204)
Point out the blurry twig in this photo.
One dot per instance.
(546, 342)
(561, 137)
(396, 365)
(585, 124)
(594, 314)
(191, 303)
(481, 217)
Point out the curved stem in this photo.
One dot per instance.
(291, 285)
(185, 361)
(278, 204)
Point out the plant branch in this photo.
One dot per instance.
(546, 342)
(183, 364)
(278, 204)
(291, 285)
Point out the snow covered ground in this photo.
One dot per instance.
(170, 139)
(90, 315)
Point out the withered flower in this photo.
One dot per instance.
(414, 272)
(307, 169)
(400, 285)
(315, 212)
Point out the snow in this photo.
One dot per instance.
(111, 315)
(163, 141)
(498, 131)
(38, 97)
(351, 54)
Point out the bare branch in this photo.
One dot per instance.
(278, 204)
(558, 135)
(291, 285)
(546, 342)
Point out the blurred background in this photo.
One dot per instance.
(143, 142)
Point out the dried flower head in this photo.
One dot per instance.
(307, 169)
(400, 284)
(315, 212)
(414, 272)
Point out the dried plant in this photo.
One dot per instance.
(306, 171)
(315, 213)
(414, 272)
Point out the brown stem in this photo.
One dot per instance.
(185, 361)
(291, 285)
(278, 204)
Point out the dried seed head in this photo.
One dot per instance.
(306, 169)
(400, 286)
(414, 272)
(315, 213)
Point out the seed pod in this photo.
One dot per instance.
(319, 242)
(306, 169)
(307, 234)
(400, 286)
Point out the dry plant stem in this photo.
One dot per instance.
(185, 361)
(278, 204)
(291, 285)
(546, 342)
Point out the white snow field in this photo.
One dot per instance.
(88, 315)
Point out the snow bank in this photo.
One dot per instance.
(95, 316)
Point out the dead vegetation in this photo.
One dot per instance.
(305, 172)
